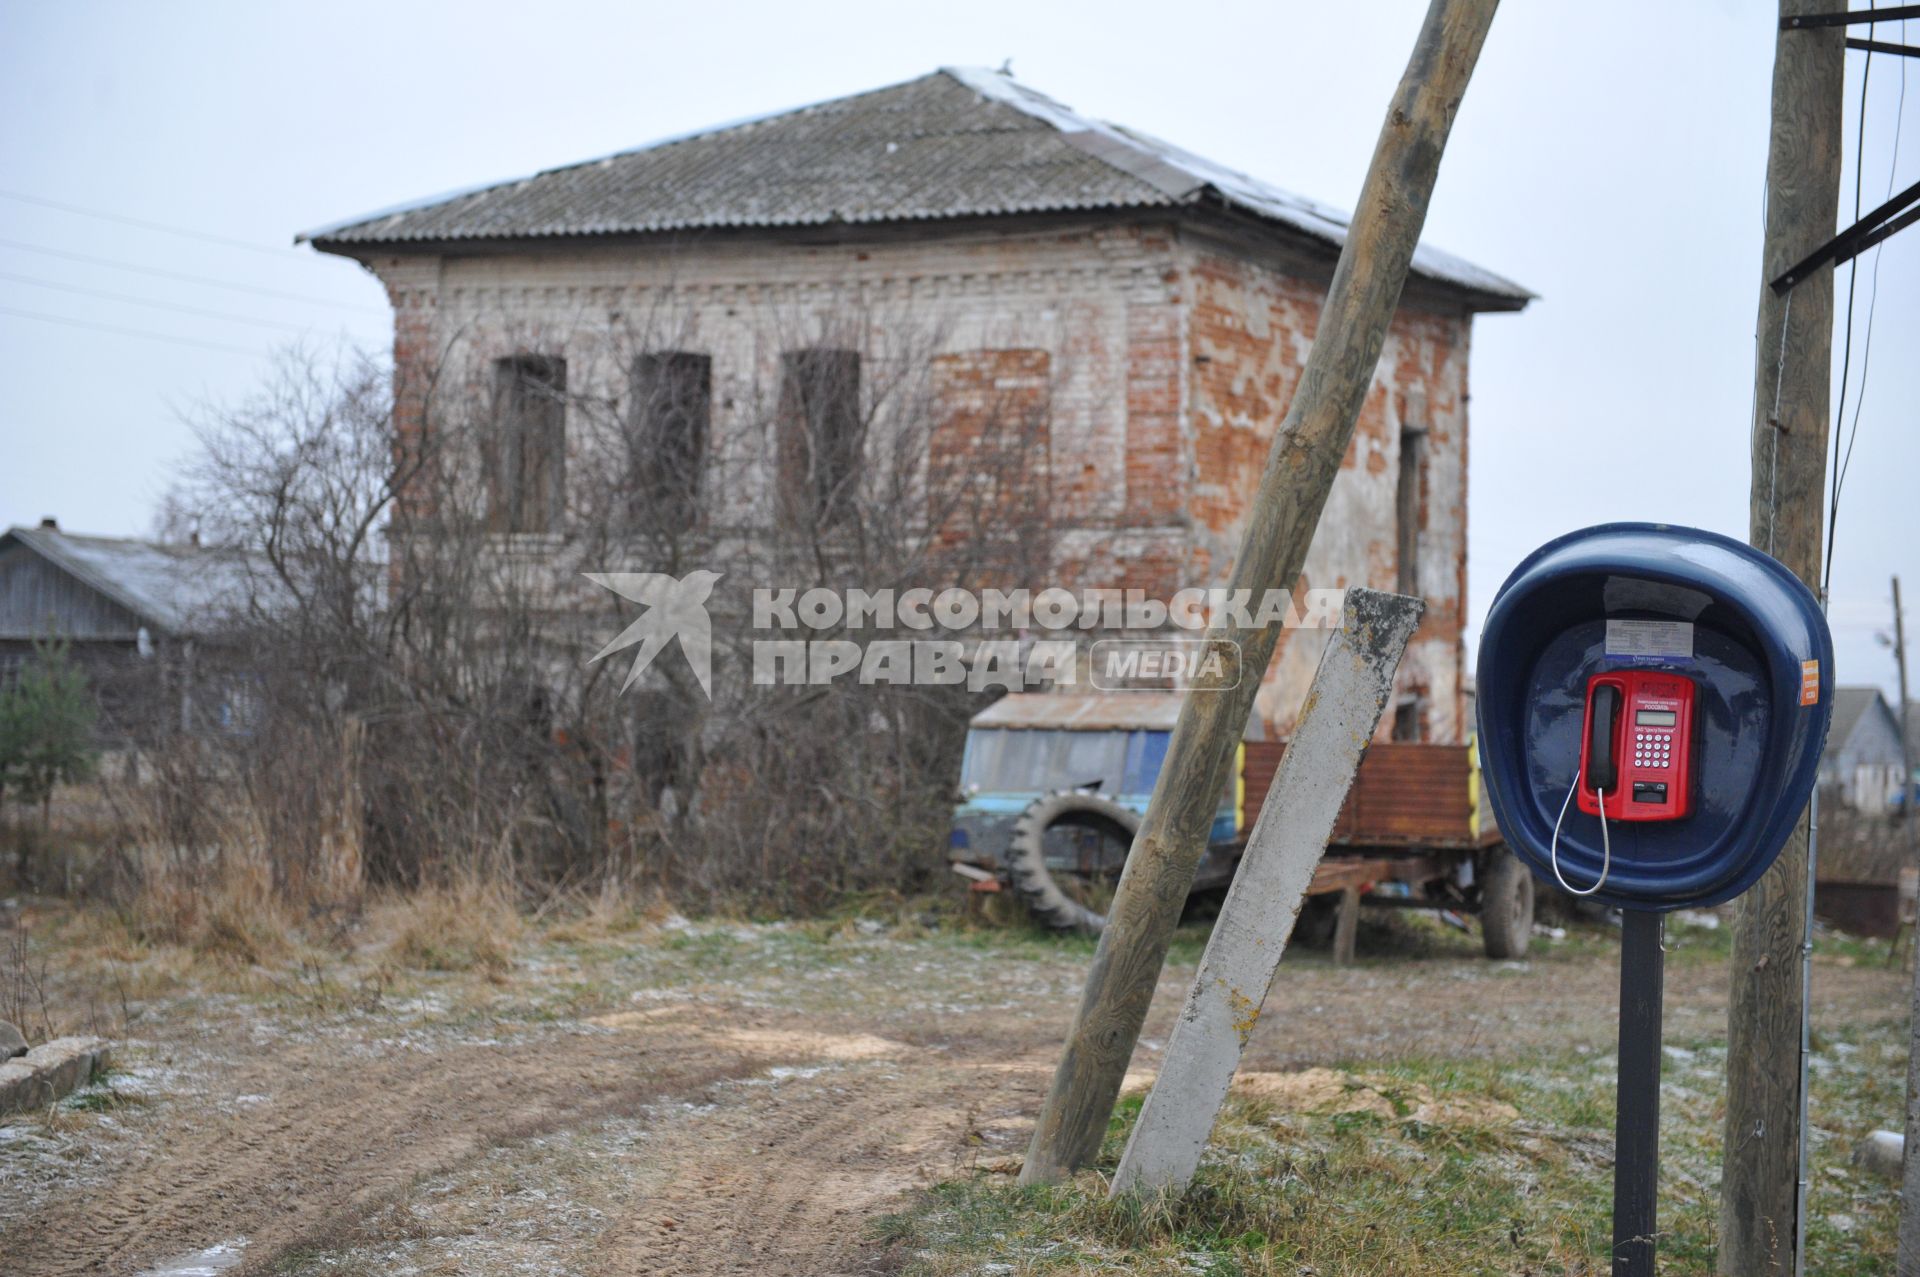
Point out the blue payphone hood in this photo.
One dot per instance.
(1759, 651)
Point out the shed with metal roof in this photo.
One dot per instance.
(137, 618)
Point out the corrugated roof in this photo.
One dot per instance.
(1849, 703)
(1092, 711)
(961, 142)
(182, 590)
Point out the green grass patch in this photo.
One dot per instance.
(1380, 1193)
(99, 1099)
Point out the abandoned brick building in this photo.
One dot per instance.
(1157, 310)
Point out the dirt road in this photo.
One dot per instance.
(697, 1100)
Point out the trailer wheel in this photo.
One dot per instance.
(1065, 858)
(1506, 905)
(1313, 929)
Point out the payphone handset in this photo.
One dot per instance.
(1636, 757)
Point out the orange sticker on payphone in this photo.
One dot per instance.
(1810, 682)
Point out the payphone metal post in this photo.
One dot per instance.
(1653, 701)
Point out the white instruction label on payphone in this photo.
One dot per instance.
(1650, 638)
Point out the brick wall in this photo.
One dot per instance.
(412, 288)
(1250, 327)
(1161, 363)
(988, 453)
(1096, 305)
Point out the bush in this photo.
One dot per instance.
(426, 706)
(46, 729)
(467, 926)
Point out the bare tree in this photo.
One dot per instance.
(417, 634)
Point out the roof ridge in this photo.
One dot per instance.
(1154, 157)
(832, 163)
(45, 543)
(729, 126)
(172, 587)
(1087, 134)
(96, 536)
(655, 144)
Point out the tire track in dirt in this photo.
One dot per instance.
(768, 1140)
(786, 1183)
(806, 1136)
(337, 1138)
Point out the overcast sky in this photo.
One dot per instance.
(1610, 157)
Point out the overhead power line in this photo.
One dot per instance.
(1843, 458)
(206, 236)
(124, 332)
(129, 298)
(185, 276)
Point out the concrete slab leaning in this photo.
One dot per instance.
(1349, 691)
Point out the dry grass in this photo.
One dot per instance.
(227, 912)
(470, 924)
(613, 909)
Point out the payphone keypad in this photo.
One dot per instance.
(1653, 749)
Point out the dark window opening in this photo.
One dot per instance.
(1408, 722)
(671, 406)
(1408, 503)
(526, 459)
(821, 435)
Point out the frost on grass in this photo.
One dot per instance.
(1423, 1113)
(1347, 1170)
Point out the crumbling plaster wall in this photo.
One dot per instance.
(1250, 327)
(1172, 360)
(1097, 302)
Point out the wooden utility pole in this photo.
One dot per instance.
(1907, 1264)
(1910, 873)
(1759, 1184)
(1301, 465)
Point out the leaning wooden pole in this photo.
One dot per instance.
(1300, 469)
(1758, 1186)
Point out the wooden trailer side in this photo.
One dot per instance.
(1406, 794)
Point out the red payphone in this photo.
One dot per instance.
(1636, 750)
(1636, 758)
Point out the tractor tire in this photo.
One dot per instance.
(1506, 905)
(1061, 905)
